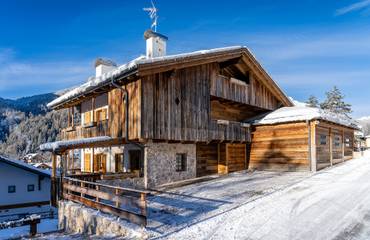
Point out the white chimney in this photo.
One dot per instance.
(103, 66)
(155, 44)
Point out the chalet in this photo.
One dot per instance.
(22, 188)
(163, 118)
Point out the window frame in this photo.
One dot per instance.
(321, 139)
(12, 187)
(32, 189)
(181, 162)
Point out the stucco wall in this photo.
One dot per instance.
(160, 163)
(20, 178)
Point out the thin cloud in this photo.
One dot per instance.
(353, 7)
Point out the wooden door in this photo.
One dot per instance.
(236, 156)
(207, 159)
(87, 162)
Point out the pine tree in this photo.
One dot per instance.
(312, 101)
(334, 102)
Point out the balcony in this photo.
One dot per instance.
(96, 129)
(229, 131)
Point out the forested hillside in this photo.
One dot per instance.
(26, 123)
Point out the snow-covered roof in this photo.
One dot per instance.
(132, 66)
(25, 166)
(300, 113)
(56, 146)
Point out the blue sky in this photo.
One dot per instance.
(306, 46)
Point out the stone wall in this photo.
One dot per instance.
(160, 163)
(75, 218)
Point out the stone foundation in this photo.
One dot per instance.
(76, 218)
(160, 163)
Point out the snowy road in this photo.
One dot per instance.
(331, 204)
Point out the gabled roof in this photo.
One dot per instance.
(301, 113)
(142, 65)
(25, 166)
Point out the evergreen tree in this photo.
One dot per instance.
(312, 101)
(334, 102)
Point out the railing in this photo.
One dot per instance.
(229, 130)
(126, 203)
(97, 129)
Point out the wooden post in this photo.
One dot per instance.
(33, 228)
(313, 146)
(82, 184)
(53, 190)
(117, 192)
(93, 109)
(343, 145)
(73, 116)
(143, 204)
(331, 146)
(97, 187)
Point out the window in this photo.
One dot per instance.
(30, 187)
(11, 189)
(322, 139)
(87, 118)
(337, 141)
(101, 114)
(119, 159)
(180, 162)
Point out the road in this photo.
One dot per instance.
(331, 204)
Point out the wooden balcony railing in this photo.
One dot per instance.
(97, 129)
(126, 203)
(229, 131)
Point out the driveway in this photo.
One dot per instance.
(331, 204)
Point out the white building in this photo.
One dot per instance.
(24, 189)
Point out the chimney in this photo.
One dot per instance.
(155, 44)
(103, 66)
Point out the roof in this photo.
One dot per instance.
(61, 145)
(301, 113)
(142, 62)
(25, 166)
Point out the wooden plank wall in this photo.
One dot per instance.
(254, 93)
(280, 147)
(207, 159)
(221, 158)
(331, 153)
(322, 150)
(117, 111)
(176, 104)
(236, 156)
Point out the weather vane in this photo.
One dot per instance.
(153, 15)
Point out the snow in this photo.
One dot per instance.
(131, 66)
(46, 225)
(55, 146)
(330, 204)
(297, 103)
(24, 165)
(298, 113)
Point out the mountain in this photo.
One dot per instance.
(25, 123)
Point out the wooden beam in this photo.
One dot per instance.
(331, 146)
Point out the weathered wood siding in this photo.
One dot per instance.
(207, 159)
(254, 93)
(236, 156)
(220, 158)
(334, 144)
(117, 113)
(280, 147)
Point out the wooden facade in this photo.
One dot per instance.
(220, 158)
(300, 146)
